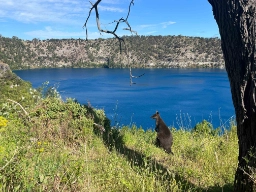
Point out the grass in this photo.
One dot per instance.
(58, 146)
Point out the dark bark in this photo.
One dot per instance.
(236, 21)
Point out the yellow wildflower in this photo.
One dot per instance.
(3, 122)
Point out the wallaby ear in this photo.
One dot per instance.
(157, 112)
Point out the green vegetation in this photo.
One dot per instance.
(47, 144)
(144, 51)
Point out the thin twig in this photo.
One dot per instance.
(246, 173)
(19, 105)
(102, 129)
(15, 152)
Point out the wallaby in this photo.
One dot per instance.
(164, 137)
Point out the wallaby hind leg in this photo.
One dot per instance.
(169, 151)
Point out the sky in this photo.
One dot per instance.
(64, 19)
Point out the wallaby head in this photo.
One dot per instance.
(156, 115)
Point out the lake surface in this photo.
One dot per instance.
(183, 97)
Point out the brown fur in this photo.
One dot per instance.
(164, 137)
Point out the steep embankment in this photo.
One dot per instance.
(142, 51)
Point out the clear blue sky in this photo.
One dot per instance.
(45, 19)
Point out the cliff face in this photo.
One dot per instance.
(142, 51)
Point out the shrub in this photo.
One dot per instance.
(205, 128)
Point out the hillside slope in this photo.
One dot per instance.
(47, 144)
(142, 51)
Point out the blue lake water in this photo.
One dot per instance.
(183, 97)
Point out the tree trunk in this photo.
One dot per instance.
(237, 22)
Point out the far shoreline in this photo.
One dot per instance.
(177, 66)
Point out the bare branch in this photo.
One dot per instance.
(132, 76)
(249, 175)
(131, 3)
(93, 6)
(121, 20)
(120, 39)
(126, 20)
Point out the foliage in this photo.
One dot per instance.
(58, 146)
(13, 90)
(48, 91)
(205, 128)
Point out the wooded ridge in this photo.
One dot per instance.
(142, 52)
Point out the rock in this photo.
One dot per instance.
(4, 69)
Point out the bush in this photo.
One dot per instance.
(205, 128)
